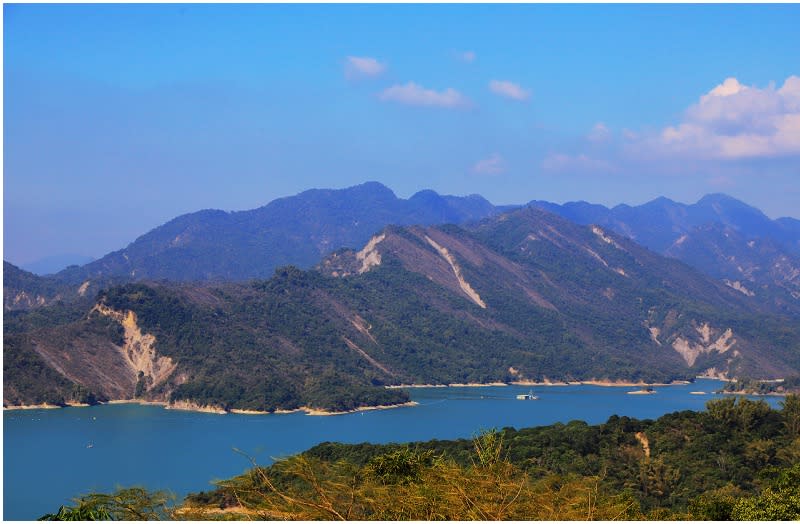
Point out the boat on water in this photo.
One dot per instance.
(527, 396)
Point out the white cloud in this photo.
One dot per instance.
(467, 56)
(361, 66)
(416, 95)
(599, 133)
(733, 131)
(494, 165)
(735, 121)
(509, 89)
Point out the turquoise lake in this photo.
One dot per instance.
(47, 457)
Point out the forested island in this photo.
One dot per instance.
(738, 460)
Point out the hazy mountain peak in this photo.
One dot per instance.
(373, 187)
(712, 198)
(661, 201)
(298, 230)
(426, 195)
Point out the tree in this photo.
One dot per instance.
(408, 484)
(791, 415)
(124, 504)
(780, 501)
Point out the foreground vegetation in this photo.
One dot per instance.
(738, 460)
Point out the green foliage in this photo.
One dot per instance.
(716, 504)
(401, 466)
(700, 464)
(27, 378)
(791, 414)
(141, 385)
(726, 463)
(780, 501)
(407, 484)
(81, 512)
(763, 387)
(124, 504)
(741, 413)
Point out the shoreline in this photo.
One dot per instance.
(603, 383)
(751, 394)
(32, 406)
(190, 406)
(323, 413)
(215, 410)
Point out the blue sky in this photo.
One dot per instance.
(118, 118)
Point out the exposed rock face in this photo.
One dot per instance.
(23, 300)
(138, 350)
(465, 287)
(709, 342)
(654, 332)
(369, 256)
(738, 286)
(643, 440)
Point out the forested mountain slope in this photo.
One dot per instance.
(524, 296)
(719, 235)
(296, 230)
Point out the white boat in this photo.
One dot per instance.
(527, 396)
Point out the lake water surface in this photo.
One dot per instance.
(50, 456)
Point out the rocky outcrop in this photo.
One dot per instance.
(710, 341)
(138, 350)
(465, 287)
(369, 256)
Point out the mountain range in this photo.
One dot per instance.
(217, 245)
(523, 295)
(718, 235)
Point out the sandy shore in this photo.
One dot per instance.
(135, 401)
(477, 385)
(47, 406)
(402, 386)
(604, 383)
(545, 383)
(608, 383)
(752, 394)
(31, 406)
(191, 406)
(78, 405)
(320, 412)
(180, 405)
(454, 385)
